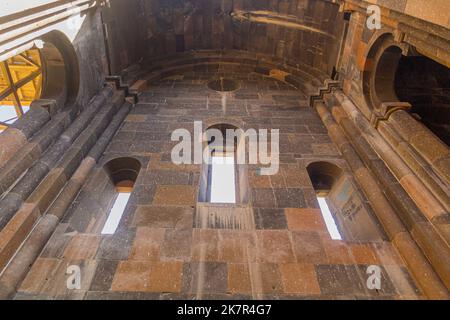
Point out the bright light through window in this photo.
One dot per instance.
(8, 113)
(223, 180)
(329, 220)
(116, 213)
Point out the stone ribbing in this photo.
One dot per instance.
(23, 189)
(34, 149)
(430, 147)
(44, 192)
(416, 162)
(423, 272)
(24, 158)
(27, 254)
(418, 192)
(432, 242)
(16, 136)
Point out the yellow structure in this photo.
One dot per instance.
(20, 82)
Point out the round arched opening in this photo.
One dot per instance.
(392, 76)
(425, 84)
(323, 175)
(123, 171)
(48, 70)
(61, 78)
(379, 74)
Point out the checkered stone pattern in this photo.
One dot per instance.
(158, 254)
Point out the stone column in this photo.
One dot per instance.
(401, 185)
(417, 146)
(397, 232)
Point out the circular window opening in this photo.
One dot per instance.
(223, 85)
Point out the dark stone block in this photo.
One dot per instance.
(8, 207)
(142, 195)
(31, 180)
(165, 177)
(290, 198)
(104, 275)
(270, 219)
(263, 198)
(117, 246)
(32, 121)
(387, 288)
(340, 280)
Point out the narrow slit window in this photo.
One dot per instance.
(223, 179)
(116, 213)
(329, 219)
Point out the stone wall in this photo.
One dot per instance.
(159, 252)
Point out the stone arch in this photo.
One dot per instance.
(425, 84)
(123, 172)
(380, 68)
(61, 80)
(324, 175)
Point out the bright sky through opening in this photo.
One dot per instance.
(116, 213)
(329, 220)
(223, 181)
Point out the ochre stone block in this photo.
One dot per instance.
(163, 217)
(48, 189)
(363, 254)
(338, 252)
(165, 277)
(147, 244)
(15, 232)
(299, 279)
(239, 278)
(132, 276)
(175, 195)
(305, 220)
(139, 86)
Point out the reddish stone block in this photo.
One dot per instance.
(363, 254)
(308, 247)
(237, 246)
(305, 220)
(147, 244)
(175, 195)
(300, 279)
(337, 252)
(132, 276)
(275, 246)
(239, 278)
(166, 277)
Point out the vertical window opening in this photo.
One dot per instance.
(116, 213)
(223, 178)
(328, 217)
(123, 173)
(323, 176)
